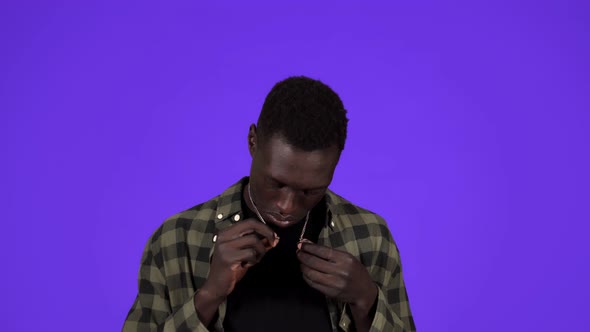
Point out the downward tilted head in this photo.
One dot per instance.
(295, 148)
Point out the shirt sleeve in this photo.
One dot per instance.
(151, 310)
(392, 312)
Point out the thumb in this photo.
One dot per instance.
(300, 244)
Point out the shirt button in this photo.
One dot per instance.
(220, 216)
(214, 238)
(237, 217)
(332, 224)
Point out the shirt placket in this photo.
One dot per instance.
(337, 310)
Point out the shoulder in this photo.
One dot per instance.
(361, 232)
(195, 226)
(350, 215)
(186, 227)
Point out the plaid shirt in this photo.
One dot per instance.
(175, 264)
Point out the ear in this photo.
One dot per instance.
(252, 140)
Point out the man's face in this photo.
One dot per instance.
(287, 182)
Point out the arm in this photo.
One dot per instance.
(363, 313)
(389, 307)
(371, 287)
(151, 310)
(239, 248)
(392, 311)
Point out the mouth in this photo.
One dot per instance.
(281, 222)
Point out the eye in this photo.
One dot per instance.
(313, 192)
(276, 184)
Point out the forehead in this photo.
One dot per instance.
(298, 168)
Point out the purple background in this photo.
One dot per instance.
(468, 130)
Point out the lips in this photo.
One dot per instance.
(279, 221)
(278, 217)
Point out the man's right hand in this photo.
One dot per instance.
(237, 248)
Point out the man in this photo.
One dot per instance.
(277, 251)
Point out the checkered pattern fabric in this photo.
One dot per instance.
(175, 263)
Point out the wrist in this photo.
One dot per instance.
(364, 305)
(208, 294)
(206, 305)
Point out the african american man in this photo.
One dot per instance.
(278, 250)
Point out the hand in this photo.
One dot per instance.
(238, 248)
(337, 274)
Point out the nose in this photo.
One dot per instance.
(286, 204)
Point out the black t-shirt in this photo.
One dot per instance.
(273, 296)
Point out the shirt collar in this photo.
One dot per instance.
(230, 204)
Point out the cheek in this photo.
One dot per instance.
(310, 202)
(268, 198)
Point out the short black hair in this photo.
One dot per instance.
(305, 112)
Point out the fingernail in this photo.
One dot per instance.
(299, 246)
(276, 241)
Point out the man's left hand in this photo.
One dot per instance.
(337, 274)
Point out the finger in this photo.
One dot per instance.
(320, 281)
(247, 257)
(265, 243)
(321, 288)
(246, 227)
(248, 241)
(265, 231)
(301, 242)
(237, 230)
(320, 251)
(259, 246)
(317, 263)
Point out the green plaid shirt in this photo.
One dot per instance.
(175, 264)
